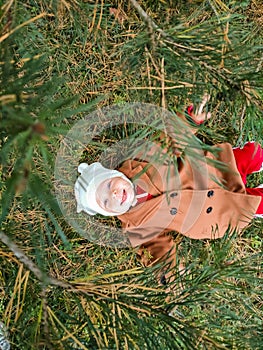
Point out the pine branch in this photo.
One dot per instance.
(30, 264)
(154, 27)
(218, 73)
(147, 19)
(24, 24)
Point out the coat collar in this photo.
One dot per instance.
(141, 174)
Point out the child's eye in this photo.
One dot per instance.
(105, 202)
(108, 185)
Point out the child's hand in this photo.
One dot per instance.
(197, 115)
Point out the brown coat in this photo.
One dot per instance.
(198, 200)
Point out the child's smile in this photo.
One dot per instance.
(115, 195)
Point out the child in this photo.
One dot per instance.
(152, 200)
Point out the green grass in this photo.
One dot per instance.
(72, 59)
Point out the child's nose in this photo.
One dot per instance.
(115, 194)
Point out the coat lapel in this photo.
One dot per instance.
(138, 173)
(133, 216)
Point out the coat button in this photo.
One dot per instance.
(209, 209)
(173, 211)
(210, 193)
(163, 280)
(173, 194)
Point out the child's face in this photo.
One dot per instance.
(115, 195)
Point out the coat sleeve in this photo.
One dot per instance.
(180, 128)
(178, 133)
(161, 249)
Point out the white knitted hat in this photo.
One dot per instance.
(86, 186)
